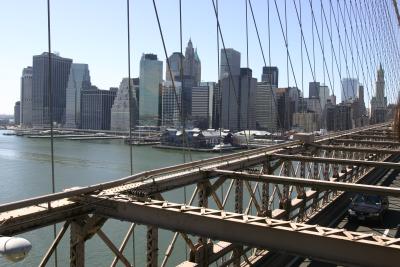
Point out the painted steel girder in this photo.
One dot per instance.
(333, 245)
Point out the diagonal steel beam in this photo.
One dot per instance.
(123, 244)
(54, 245)
(113, 248)
(377, 164)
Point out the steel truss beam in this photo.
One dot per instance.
(349, 162)
(357, 149)
(319, 184)
(337, 245)
(367, 142)
(372, 136)
(33, 217)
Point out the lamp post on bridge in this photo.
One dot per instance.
(14, 248)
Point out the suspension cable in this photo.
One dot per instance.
(53, 188)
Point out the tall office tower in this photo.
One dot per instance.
(349, 88)
(265, 107)
(192, 64)
(171, 104)
(230, 61)
(313, 89)
(288, 103)
(307, 121)
(175, 61)
(95, 111)
(201, 98)
(120, 108)
(323, 95)
(60, 68)
(338, 117)
(238, 107)
(361, 99)
(79, 79)
(149, 90)
(313, 104)
(380, 88)
(26, 97)
(17, 113)
(270, 75)
(216, 110)
(379, 101)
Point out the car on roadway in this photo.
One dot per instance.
(368, 207)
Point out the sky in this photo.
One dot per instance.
(95, 32)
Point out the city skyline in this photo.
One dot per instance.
(102, 44)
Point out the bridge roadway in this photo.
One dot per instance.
(389, 227)
(33, 213)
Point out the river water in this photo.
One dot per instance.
(25, 172)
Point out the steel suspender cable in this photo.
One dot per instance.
(183, 121)
(53, 187)
(228, 64)
(130, 111)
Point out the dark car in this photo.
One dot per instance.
(368, 207)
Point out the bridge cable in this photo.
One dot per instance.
(183, 122)
(369, 55)
(386, 24)
(229, 66)
(261, 47)
(356, 48)
(130, 111)
(362, 58)
(53, 188)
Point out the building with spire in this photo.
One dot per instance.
(192, 64)
(379, 101)
(191, 78)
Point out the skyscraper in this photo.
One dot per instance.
(238, 94)
(379, 101)
(323, 95)
(60, 68)
(171, 104)
(26, 97)
(270, 75)
(349, 89)
(361, 99)
(120, 108)
(380, 87)
(79, 79)
(313, 89)
(192, 64)
(265, 107)
(201, 105)
(230, 61)
(95, 111)
(175, 63)
(17, 113)
(287, 100)
(149, 90)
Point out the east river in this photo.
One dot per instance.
(25, 171)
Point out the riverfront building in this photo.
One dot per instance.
(60, 68)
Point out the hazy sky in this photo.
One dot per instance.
(94, 32)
